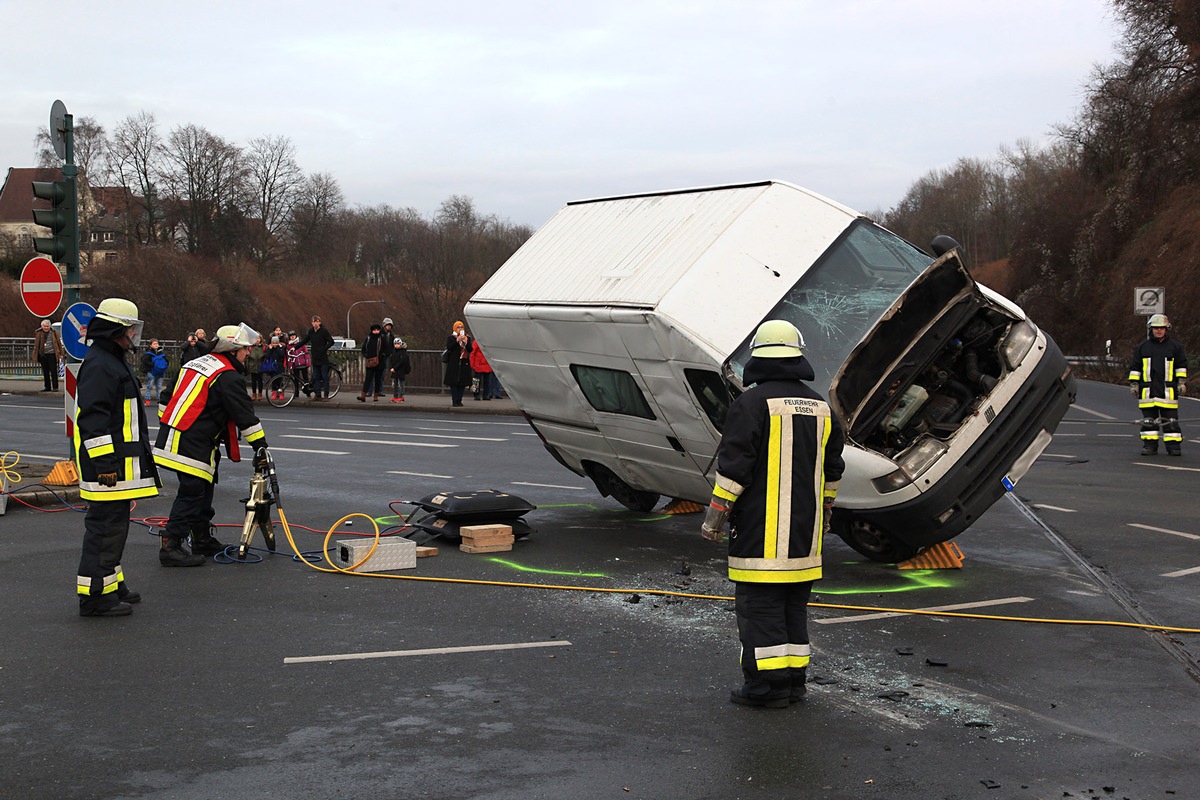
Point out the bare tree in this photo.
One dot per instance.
(206, 178)
(137, 155)
(318, 229)
(275, 184)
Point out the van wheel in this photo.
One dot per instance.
(612, 486)
(869, 539)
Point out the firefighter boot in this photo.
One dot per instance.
(172, 554)
(761, 694)
(799, 677)
(114, 609)
(1173, 449)
(1149, 448)
(204, 543)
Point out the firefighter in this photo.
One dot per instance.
(778, 467)
(209, 405)
(112, 451)
(1158, 378)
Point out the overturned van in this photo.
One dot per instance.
(622, 327)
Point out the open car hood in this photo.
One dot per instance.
(881, 361)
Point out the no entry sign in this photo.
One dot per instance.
(41, 287)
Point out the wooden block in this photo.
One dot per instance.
(426, 552)
(485, 548)
(480, 531)
(488, 539)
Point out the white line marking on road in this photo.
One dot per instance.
(316, 452)
(402, 433)
(1163, 530)
(1168, 467)
(1181, 573)
(47, 458)
(57, 408)
(418, 474)
(365, 441)
(549, 485)
(1056, 455)
(1078, 407)
(1062, 435)
(1117, 435)
(957, 607)
(1054, 508)
(434, 651)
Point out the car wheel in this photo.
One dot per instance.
(869, 539)
(612, 486)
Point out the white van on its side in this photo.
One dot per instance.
(621, 329)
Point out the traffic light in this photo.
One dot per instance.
(62, 220)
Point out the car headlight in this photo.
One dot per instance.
(912, 462)
(1019, 342)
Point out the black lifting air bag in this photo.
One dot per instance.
(444, 513)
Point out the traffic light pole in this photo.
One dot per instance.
(70, 174)
(63, 216)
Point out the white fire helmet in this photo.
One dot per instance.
(777, 338)
(124, 313)
(234, 337)
(1158, 321)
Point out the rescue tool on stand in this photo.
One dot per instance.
(264, 493)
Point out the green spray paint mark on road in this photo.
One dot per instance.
(915, 580)
(523, 568)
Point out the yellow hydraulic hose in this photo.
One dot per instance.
(668, 593)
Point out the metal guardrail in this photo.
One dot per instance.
(17, 362)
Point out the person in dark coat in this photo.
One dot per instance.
(457, 358)
(48, 350)
(319, 341)
(387, 336)
(373, 359)
(1157, 379)
(398, 367)
(112, 453)
(778, 467)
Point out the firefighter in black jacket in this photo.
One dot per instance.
(1158, 378)
(208, 405)
(112, 450)
(778, 467)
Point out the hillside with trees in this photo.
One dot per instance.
(216, 231)
(1070, 230)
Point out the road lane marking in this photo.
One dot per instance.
(1117, 435)
(1078, 407)
(401, 433)
(365, 441)
(433, 651)
(1181, 573)
(1056, 455)
(315, 452)
(1163, 530)
(957, 607)
(549, 485)
(417, 474)
(1053, 508)
(1167, 467)
(1058, 435)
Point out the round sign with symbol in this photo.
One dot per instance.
(41, 287)
(74, 329)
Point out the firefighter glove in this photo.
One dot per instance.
(1134, 390)
(107, 479)
(260, 458)
(1183, 387)
(713, 527)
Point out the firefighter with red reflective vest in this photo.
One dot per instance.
(778, 467)
(112, 451)
(208, 406)
(1158, 378)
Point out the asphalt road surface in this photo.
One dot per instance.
(525, 680)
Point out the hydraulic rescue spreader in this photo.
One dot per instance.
(264, 493)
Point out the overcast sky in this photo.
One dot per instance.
(525, 105)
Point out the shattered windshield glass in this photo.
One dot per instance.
(844, 295)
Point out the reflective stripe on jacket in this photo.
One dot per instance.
(1157, 367)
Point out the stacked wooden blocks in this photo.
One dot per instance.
(486, 538)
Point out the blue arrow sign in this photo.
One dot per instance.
(74, 329)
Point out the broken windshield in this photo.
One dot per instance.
(843, 295)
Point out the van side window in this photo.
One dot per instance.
(611, 390)
(712, 394)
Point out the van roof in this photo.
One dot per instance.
(632, 250)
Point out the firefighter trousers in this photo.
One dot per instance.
(105, 528)
(773, 628)
(193, 507)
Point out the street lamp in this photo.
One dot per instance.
(348, 310)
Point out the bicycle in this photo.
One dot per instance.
(284, 388)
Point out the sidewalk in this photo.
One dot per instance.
(347, 398)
